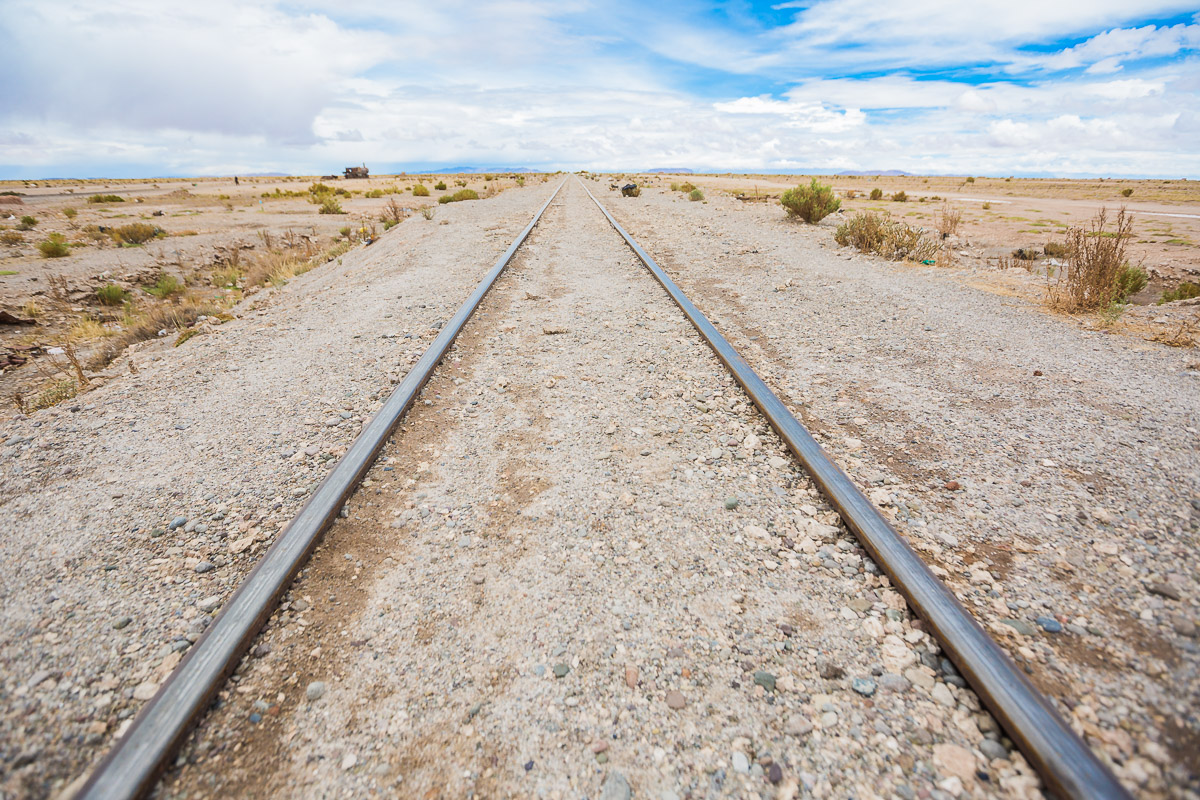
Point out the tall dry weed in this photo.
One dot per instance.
(1096, 256)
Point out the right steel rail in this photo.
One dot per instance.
(1067, 765)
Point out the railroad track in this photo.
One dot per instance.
(131, 769)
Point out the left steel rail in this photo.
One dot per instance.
(132, 767)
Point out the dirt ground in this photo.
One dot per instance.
(208, 228)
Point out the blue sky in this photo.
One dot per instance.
(139, 87)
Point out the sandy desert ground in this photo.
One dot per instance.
(543, 588)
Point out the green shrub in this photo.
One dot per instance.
(873, 233)
(320, 188)
(55, 246)
(97, 199)
(687, 187)
(1130, 281)
(1056, 250)
(69, 213)
(136, 233)
(11, 238)
(1184, 291)
(164, 287)
(900, 197)
(27, 223)
(330, 205)
(489, 177)
(1126, 192)
(877, 194)
(420, 191)
(810, 203)
(110, 295)
(388, 224)
(695, 194)
(344, 231)
(440, 186)
(461, 194)
(970, 180)
(374, 193)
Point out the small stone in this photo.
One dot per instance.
(864, 686)
(178, 522)
(741, 764)
(349, 760)
(765, 680)
(256, 718)
(774, 772)
(631, 676)
(205, 566)
(121, 622)
(676, 700)
(829, 671)
(1049, 624)
(797, 725)
(209, 603)
(731, 503)
(943, 695)
(144, 691)
(599, 746)
(315, 690)
(561, 670)
(954, 762)
(1164, 590)
(829, 719)
(993, 749)
(951, 486)
(1184, 627)
(529, 765)
(615, 787)
(1020, 626)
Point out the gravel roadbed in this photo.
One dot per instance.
(1050, 474)
(129, 516)
(586, 568)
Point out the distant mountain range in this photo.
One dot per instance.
(670, 170)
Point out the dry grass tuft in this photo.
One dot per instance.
(948, 221)
(1095, 262)
(869, 232)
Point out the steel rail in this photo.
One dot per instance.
(1067, 765)
(132, 766)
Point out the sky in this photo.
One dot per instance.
(140, 88)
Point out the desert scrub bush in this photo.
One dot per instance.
(1055, 250)
(869, 232)
(428, 211)
(55, 246)
(319, 189)
(1184, 291)
(877, 194)
(98, 199)
(986, 206)
(70, 213)
(420, 191)
(136, 233)
(900, 197)
(461, 194)
(388, 224)
(330, 205)
(970, 180)
(344, 231)
(520, 181)
(487, 178)
(374, 193)
(1095, 261)
(1126, 192)
(695, 194)
(948, 221)
(27, 223)
(166, 286)
(11, 238)
(687, 187)
(110, 295)
(1130, 280)
(810, 203)
(1025, 254)
(225, 277)
(392, 212)
(440, 186)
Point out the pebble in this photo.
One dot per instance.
(615, 786)
(676, 700)
(1020, 626)
(205, 566)
(731, 503)
(561, 670)
(942, 694)
(741, 764)
(178, 522)
(209, 603)
(1050, 624)
(864, 686)
(993, 749)
(765, 680)
(315, 690)
(121, 622)
(774, 772)
(631, 676)
(797, 725)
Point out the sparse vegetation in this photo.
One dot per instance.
(55, 246)
(695, 194)
(11, 238)
(70, 213)
(810, 203)
(461, 194)
(877, 194)
(869, 232)
(136, 233)
(1126, 192)
(1095, 263)
(374, 193)
(900, 197)
(1184, 291)
(330, 205)
(103, 199)
(428, 211)
(392, 213)
(27, 223)
(166, 286)
(1025, 254)
(1130, 280)
(970, 180)
(111, 295)
(1055, 250)
(440, 186)
(631, 190)
(420, 191)
(948, 221)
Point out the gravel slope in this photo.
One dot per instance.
(1053, 473)
(98, 594)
